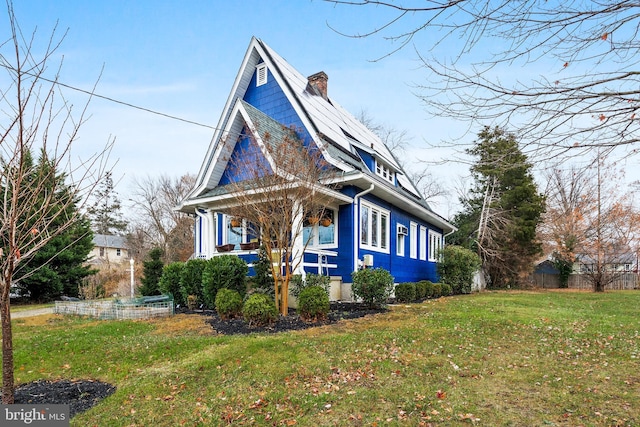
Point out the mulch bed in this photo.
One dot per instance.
(81, 395)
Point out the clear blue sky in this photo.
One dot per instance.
(181, 57)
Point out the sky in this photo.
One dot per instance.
(180, 58)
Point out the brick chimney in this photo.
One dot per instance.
(319, 82)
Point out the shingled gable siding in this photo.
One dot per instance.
(271, 100)
(243, 147)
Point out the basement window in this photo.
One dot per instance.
(261, 74)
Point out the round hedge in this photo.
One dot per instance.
(313, 303)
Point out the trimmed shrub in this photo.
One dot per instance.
(297, 285)
(228, 303)
(437, 290)
(405, 292)
(152, 272)
(259, 310)
(224, 271)
(421, 290)
(428, 288)
(457, 268)
(263, 278)
(446, 289)
(191, 279)
(313, 303)
(170, 282)
(372, 285)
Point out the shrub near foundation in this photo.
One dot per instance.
(259, 310)
(313, 303)
(228, 303)
(421, 290)
(372, 285)
(405, 292)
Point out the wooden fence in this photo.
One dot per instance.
(581, 281)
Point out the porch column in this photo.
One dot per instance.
(297, 246)
(211, 235)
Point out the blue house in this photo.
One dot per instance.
(375, 216)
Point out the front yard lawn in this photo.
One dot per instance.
(491, 359)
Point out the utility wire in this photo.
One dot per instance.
(106, 98)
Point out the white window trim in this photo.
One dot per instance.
(413, 240)
(316, 234)
(435, 245)
(384, 171)
(261, 74)
(381, 212)
(401, 238)
(227, 225)
(423, 243)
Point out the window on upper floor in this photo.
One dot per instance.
(261, 74)
(118, 252)
(101, 251)
(384, 171)
(435, 245)
(374, 227)
(320, 231)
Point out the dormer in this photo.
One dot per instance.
(384, 171)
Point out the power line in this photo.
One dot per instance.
(106, 98)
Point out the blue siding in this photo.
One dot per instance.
(244, 153)
(271, 100)
(402, 268)
(367, 159)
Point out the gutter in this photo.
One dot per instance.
(356, 228)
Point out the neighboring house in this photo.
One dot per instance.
(109, 249)
(620, 262)
(377, 216)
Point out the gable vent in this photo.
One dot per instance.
(261, 77)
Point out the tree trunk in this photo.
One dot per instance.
(7, 346)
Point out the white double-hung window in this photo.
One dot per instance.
(374, 227)
(435, 245)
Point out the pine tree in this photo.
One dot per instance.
(152, 270)
(105, 213)
(503, 209)
(58, 268)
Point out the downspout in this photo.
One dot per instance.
(204, 232)
(356, 228)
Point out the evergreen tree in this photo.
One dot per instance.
(152, 271)
(59, 266)
(503, 209)
(105, 214)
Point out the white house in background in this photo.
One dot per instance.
(109, 249)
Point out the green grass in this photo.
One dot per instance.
(491, 359)
(15, 308)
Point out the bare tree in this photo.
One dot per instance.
(278, 190)
(156, 222)
(591, 219)
(564, 73)
(37, 117)
(398, 141)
